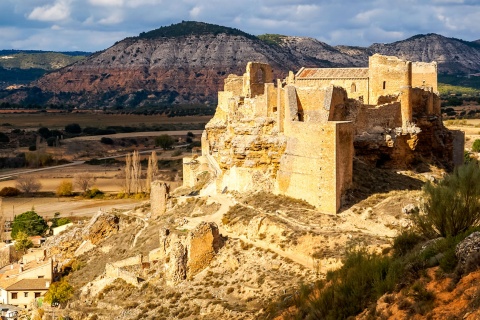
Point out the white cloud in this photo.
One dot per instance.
(56, 12)
(195, 12)
(107, 3)
(114, 18)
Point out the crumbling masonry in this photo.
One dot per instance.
(298, 136)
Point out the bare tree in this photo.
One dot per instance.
(152, 170)
(136, 172)
(84, 180)
(28, 184)
(128, 174)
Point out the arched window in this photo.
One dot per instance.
(353, 88)
(260, 76)
(384, 84)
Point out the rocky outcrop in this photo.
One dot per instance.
(469, 248)
(100, 227)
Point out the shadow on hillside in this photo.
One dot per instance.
(369, 180)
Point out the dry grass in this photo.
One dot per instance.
(59, 120)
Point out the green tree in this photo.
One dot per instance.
(164, 141)
(453, 205)
(476, 146)
(30, 223)
(59, 292)
(22, 242)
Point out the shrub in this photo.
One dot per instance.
(51, 141)
(106, 140)
(65, 188)
(164, 141)
(9, 192)
(405, 242)
(476, 146)
(4, 137)
(73, 128)
(93, 193)
(451, 206)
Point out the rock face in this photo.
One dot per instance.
(100, 227)
(188, 62)
(469, 247)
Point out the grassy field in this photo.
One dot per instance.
(59, 120)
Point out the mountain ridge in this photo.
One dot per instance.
(186, 63)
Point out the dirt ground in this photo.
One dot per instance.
(59, 120)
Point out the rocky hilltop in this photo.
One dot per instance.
(186, 63)
(453, 55)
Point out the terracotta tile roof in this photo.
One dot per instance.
(29, 284)
(332, 73)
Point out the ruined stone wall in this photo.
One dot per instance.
(234, 84)
(356, 88)
(255, 77)
(158, 197)
(424, 74)
(387, 76)
(372, 119)
(310, 105)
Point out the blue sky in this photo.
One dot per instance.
(92, 25)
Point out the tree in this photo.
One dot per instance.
(152, 170)
(44, 132)
(73, 128)
(165, 141)
(65, 188)
(476, 146)
(22, 242)
(30, 223)
(84, 180)
(28, 184)
(4, 137)
(453, 205)
(59, 292)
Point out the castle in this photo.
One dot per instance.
(298, 136)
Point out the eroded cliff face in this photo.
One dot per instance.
(185, 69)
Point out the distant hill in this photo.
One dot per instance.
(23, 66)
(186, 63)
(453, 55)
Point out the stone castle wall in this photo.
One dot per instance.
(297, 136)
